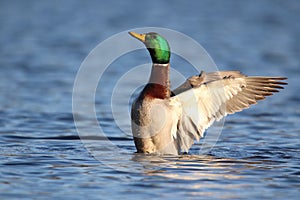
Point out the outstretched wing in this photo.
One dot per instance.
(209, 97)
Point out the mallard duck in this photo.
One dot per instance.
(168, 122)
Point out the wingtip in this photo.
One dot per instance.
(279, 78)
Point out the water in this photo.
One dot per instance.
(42, 45)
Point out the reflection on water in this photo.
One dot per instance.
(222, 174)
(42, 45)
(207, 175)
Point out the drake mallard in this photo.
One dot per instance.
(168, 122)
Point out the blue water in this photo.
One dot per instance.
(42, 45)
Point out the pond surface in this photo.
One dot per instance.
(42, 45)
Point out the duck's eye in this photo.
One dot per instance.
(152, 36)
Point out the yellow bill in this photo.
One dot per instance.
(138, 36)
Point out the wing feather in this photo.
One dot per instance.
(209, 97)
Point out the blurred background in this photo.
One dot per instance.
(42, 45)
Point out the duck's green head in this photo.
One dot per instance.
(157, 46)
